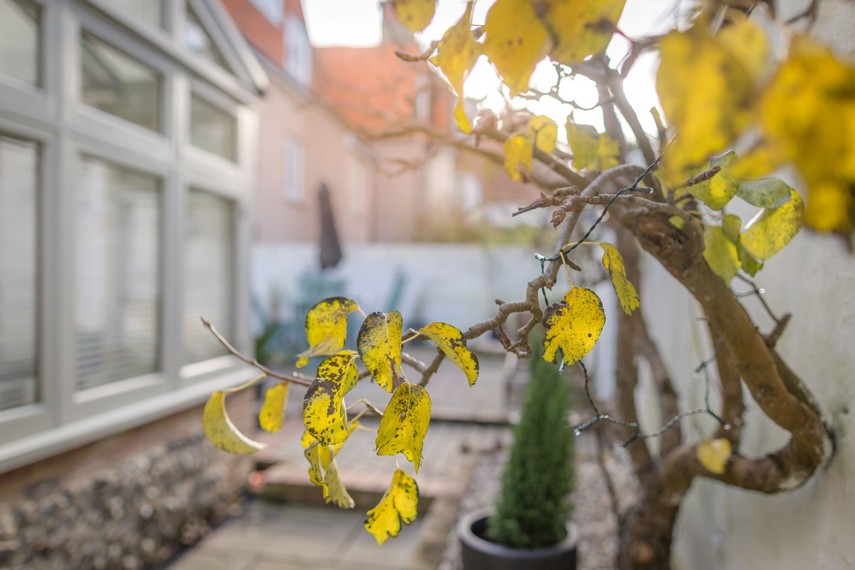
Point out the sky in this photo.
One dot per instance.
(358, 23)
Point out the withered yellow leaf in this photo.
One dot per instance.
(334, 490)
(399, 505)
(519, 150)
(340, 369)
(544, 132)
(404, 424)
(580, 27)
(717, 191)
(323, 472)
(573, 326)
(326, 327)
(450, 341)
(415, 14)
(272, 413)
(707, 96)
(720, 253)
(714, 454)
(379, 345)
(218, 428)
(515, 41)
(458, 51)
(770, 230)
(730, 225)
(625, 290)
(323, 412)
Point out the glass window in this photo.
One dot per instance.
(208, 273)
(149, 12)
(272, 10)
(19, 40)
(298, 50)
(197, 40)
(18, 271)
(294, 174)
(117, 273)
(118, 84)
(212, 128)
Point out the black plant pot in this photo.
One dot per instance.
(478, 553)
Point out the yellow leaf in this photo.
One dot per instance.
(218, 427)
(463, 122)
(399, 505)
(323, 412)
(718, 190)
(404, 424)
(748, 44)
(334, 490)
(544, 132)
(706, 94)
(584, 144)
(573, 326)
(519, 150)
(730, 225)
(379, 345)
(720, 253)
(323, 472)
(808, 116)
(625, 290)
(515, 40)
(580, 27)
(326, 327)
(319, 457)
(608, 151)
(714, 454)
(415, 14)
(458, 51)
(770, 230)
(591, 149)
(272, 413)
(449, 339)
(340, 369)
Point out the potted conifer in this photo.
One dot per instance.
(528, 528)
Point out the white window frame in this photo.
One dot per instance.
(65, 129)
(298, 50)
(294, 161)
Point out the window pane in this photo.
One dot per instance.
(149, 12)
(18, 271)
(116, 273)
(208, 273)
(19, 40)
(118, 84)
(212, 128)
(294, 182)
(197, 40)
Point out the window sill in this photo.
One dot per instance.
(59, 439)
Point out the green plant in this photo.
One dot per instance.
(533, 505)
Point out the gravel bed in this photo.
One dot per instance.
(592, 511)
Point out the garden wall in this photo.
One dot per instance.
(125, 502)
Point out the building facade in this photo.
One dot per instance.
(128, 148)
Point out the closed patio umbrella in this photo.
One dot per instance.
(330, 250)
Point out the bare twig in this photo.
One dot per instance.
(251, 361)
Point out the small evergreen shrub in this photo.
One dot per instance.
(533, 504)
